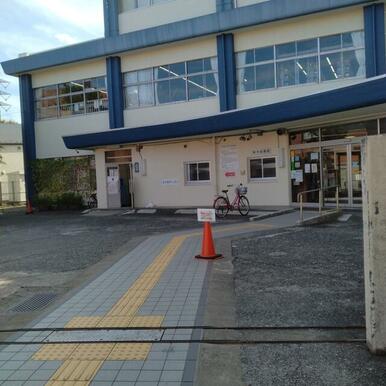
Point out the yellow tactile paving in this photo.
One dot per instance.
(92, 351)
(82, 361)
(147, 321)
(84, 322)
(77, 370)
(129, 352)
(55, 352)
(68, 383)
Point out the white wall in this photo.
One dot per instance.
(265, 192)
(170, 53)
(66, 73)
(172, 112)
(49, 133)
(166, 162)
(164, 13)
(11, 159)
(291, 30)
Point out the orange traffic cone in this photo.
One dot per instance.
(29, 209)
(208, 251)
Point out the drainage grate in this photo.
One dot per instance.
(35, 302)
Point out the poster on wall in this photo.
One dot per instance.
(112, 185)
(299, 175)
(229, 160)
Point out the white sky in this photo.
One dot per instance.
(38, 25)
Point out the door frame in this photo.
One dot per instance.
(348, 144)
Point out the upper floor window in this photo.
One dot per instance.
(300, 62)
(177, 82)
(128, 5)
(71, 98)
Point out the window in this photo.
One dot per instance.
(301, 62)
(128, 5)
(197, 172)
(177, 82)
(71, 98)
(261, 168)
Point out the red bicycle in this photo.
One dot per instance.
(222, 204)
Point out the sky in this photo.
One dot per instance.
(30, 26)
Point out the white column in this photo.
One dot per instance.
(100, 167)
(374, 220)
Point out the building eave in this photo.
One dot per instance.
(367, 93)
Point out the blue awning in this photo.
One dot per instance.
(367, 93)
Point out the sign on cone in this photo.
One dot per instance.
(208, 250)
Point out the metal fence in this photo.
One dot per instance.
(12, 192)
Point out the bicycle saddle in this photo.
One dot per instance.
(225, 191)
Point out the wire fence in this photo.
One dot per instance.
(12, 192)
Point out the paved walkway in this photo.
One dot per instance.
(158, 284)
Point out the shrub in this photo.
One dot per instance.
(59, 201)
(45, 202)
(69, 201)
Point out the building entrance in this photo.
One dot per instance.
(328, 167)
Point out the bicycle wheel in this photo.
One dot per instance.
(221, 207)
(243, 206)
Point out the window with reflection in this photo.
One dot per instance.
(128, 5)
(171, 83)
(262, 168)
(71, 98)
(301, 62)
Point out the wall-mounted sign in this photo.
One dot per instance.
(169, 181)
(261, 151)
(229, 159)
(230, 174)
(206, 215)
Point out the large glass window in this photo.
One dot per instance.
(177, 82)
(71, 98)
(301, 62)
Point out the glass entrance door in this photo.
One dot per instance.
(335, 174)
(342, 168)
(305, 174)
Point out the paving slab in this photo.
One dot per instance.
(157, 284)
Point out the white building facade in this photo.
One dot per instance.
(183, 98)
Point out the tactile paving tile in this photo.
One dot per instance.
(115, 321)
(92, 351)
(84, 322)
(75, 370)
(147, 321)
(129, 352)
(54, 352)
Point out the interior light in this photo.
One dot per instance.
(332, 67)
(188, 80)
(302, 69)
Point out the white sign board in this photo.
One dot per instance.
(204, 215)
(169, 181)
(229, 158)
